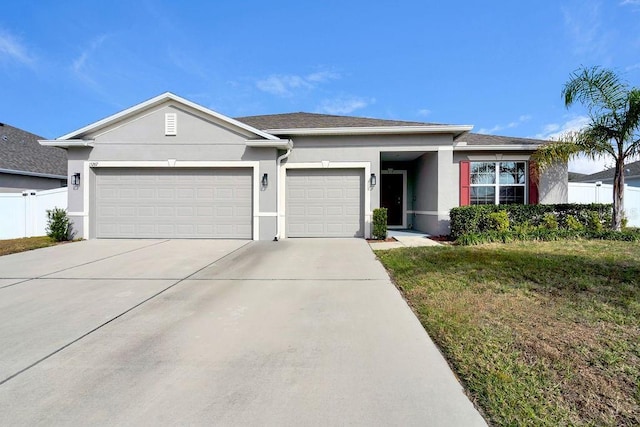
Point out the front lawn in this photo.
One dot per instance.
(539, 333)
(11, 246)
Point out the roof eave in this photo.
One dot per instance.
(36, 174)
(373, 130)
(282, 144)
(66, 143)
(494, 147)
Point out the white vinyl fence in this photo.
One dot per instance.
(25, 214)
(580, 192)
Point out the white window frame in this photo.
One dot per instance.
(497, 184)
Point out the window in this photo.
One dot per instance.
(498, 183)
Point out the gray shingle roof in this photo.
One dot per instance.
(20, 151)
(630, 169)
(576, 176)
(482, 139)
(315, 121)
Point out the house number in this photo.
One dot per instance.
(93, 164)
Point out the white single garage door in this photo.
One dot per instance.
(325, 203)
(173, 203)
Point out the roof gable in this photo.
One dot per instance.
(21, 152)
(159, 100)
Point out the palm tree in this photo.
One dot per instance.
(613, 129)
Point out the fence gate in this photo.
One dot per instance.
(25, 214)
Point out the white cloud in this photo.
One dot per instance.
(554, 130)
(514, 124)
(282, 85)
(632, 2)
(11, 49)
(343, 105)
(580, 164)
(424, 112)
(591, 39)
(322, 76)
(81, 66)
(584, 165)
(288, 84)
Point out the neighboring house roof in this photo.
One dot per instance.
(576, 177)
(20, 153)
(326, 124)
(630, 169)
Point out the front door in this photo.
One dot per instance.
(391, 189)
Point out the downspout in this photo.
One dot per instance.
(278, 163)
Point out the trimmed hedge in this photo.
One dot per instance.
(380, 223)
(545, 235)
(524, 219)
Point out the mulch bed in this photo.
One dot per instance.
(388, 239)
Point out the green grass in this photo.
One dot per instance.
(541, 333)
(12, 246)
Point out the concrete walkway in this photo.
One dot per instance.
(298, 332)
(404, 238)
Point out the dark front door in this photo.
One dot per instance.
(391, 190)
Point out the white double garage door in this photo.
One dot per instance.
(218, 203)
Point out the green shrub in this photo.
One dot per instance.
(499, 221)
(594, 223)
(475, 219)
(625, 235)
(571, 223)
(544, 234)
(524, 229)
(59, 227)
(380, 223)
(471, 239)
(549, 221)
(473, 225)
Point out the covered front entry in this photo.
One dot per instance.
(393, 194)
(325, 203)
(173, 203)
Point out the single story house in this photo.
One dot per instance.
(27, 165)
(170, 168)
(631, 175)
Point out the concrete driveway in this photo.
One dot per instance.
(212, 332)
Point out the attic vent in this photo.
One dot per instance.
(4, 137)
(170, 124)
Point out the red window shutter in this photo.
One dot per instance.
(465, 188)
(533, 183)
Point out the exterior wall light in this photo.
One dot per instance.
(265, 180)
(372, 180)
(75, 179)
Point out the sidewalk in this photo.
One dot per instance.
(404, 238)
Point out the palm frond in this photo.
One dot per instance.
(595, 88)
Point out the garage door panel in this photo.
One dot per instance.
(173, 203)
(325, 203)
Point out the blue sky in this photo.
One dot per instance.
(498, 65)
